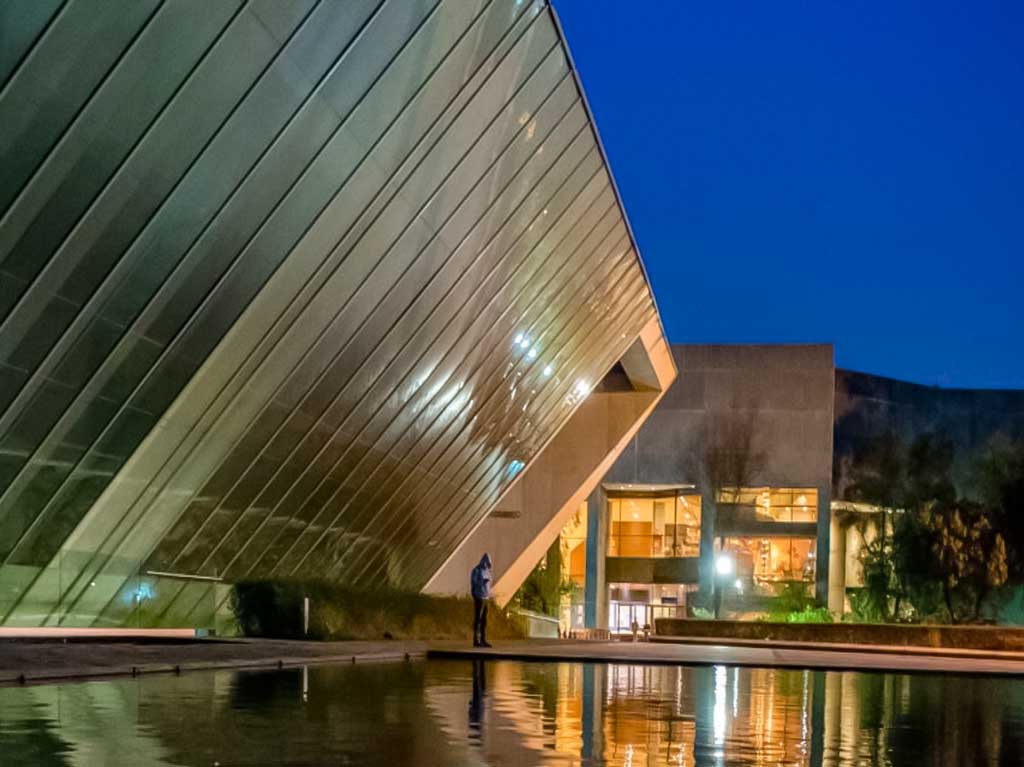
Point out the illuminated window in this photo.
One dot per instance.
(773, 504)
(645, 603)
(574, 547)
(655, 525)
(770, 560)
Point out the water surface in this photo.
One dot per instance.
(511, 713)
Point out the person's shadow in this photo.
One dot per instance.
(476, 703)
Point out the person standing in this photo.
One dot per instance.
(480, 587)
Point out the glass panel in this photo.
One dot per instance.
(358, 278)
(767, 504)
(765, 561)
(68, 63)
(686, 533)
(614, 517)
(656, 526)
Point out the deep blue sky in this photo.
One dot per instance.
(849, 172)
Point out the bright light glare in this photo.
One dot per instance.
(723, 565)
(547, 370)
(533, 354)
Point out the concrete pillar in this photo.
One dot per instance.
(836, 566)
(595, 593)
(822, 566)
(706, 566)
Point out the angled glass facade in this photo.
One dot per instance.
(286, 289)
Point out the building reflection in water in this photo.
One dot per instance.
(508, 713)
(645, 715)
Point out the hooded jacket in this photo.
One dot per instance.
(480, 579)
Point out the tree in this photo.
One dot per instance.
(969, 555)
(542, 590)
(901, 481)
(878, 478)
(732, 457)
(998, 482)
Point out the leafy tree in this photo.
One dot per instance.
(998, 482)
(542, 590)
(878, 477)
(928, 480)
(902, 482)
(969, 555)
(732, 456)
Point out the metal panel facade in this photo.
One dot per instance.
(286, 289)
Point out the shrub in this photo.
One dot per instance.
(810, 615)
(273, 608)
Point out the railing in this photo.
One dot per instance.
(539, 626)
(592, 634)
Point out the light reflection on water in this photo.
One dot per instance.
(510, 713)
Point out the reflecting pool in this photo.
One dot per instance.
(510, 713)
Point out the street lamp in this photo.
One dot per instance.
(724, 568)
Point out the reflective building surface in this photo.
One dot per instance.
(506, 713)
(286, 288)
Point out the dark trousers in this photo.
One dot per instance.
(479, 619)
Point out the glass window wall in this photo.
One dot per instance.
(654, 526)
(573, 542)
(764, 561)
(774, 504)
(645, 602)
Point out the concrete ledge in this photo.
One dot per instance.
(38, 662)
(984, 638)
(9, 632)
(763, 655)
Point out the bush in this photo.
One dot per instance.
(810, 615)
(273, 609)
(792, 596)
(864, 607)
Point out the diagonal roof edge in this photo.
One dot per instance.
(564, 40)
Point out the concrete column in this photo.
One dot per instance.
(595, 593)
(822, 571)
(836, 567)
(707, 544)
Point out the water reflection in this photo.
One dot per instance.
(476, 704)
(507, 713)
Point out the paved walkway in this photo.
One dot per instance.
(26, 660)
(35, 661)
(761, 654)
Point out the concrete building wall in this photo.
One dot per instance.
(786, 392)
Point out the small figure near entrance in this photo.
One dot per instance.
(635, 628)
(480, 586)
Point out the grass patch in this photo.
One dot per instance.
(273, 609)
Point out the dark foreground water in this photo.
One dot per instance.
(508, 713)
